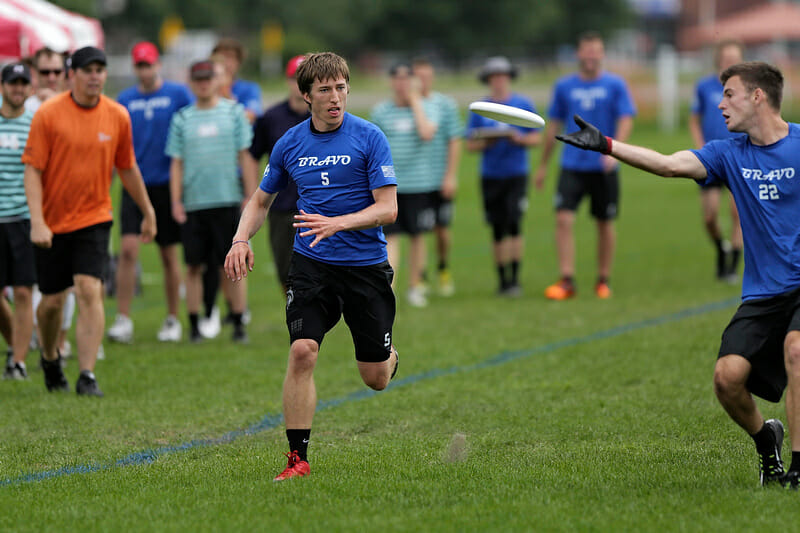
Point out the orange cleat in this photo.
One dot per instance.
(296, 467)
(602, 290)
(560, 290)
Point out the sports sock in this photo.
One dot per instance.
(442, 264)
(236, 318)
(764, 439)
(298, 441)
(194, 320)
(501, 272)
(602, 279)
(795, 462)
(514, 272)
(736, 254)
(568, 281)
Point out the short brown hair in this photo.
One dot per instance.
(589, 36)
(49, 52)
(229, 44)
(725, 43)
(758, 75)
(321, 66)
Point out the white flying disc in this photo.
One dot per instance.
(507, 114)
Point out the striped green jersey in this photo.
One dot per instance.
(13, 136)
(450, 127)
(208, 141)
(413, 172)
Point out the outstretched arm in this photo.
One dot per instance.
(240, 258)
(683, 164)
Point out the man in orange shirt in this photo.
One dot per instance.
(76, 140)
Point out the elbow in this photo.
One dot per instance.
(392, 216)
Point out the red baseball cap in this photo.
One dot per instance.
(144, 52)
(291, 66)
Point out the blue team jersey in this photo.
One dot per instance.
(765, 183)
(707, 96)
(601, 101)
(503, 159)
(335, 174)
(248, 93)
(151, 114)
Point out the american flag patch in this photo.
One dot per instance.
(388, 171)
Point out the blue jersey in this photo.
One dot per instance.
(707, 96)
(503, 159)
(151, 114)
(601, 101)
(247, 93)
(335, 173)
(765, 183)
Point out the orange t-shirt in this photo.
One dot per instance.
(77, 149)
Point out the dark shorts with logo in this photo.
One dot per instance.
(443, 207)
(505, 200)
(84, 251)
(168, 231)
(602, 188)
(757, 332)
(17, 265)
(415, 214)
(320, 294)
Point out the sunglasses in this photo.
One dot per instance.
(47, 72)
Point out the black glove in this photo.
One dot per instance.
(588, 137)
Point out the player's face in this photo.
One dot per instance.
(203, 88)
(401, 84)
(15, 93)
(590, 57)
(146, 73)
(424, 73)
(88, 81)
(50, 69)
(499, 83)
(328, 100)
(729, 56)
(737, 105)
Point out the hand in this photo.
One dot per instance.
(318, 225)
(178, 212)
(240, 260)
(449, 186)
(41, 235)
(538, 179)
(588, 137)
(148, 227)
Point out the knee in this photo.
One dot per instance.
(376, 382)
(51, 304)
(728, 378)
(303, 356)
(564, 220)
(129, 252)
(88, 289)
(792, 355)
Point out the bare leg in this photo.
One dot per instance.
(126, 273)
(377, 375)
(393, 251)
(49, 314)
(442, 243)
(709, 202)
(565, 242)
(6, 322)
(299, 391)
(194, 288)
(91, 319)
(172, 277)
(23, 322)
(606, 244)
(237, 293)
(730, 379)
(736, 228)
(791, 350)
(416, 260)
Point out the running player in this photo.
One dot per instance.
(344, 174)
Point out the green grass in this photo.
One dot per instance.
(617, 433)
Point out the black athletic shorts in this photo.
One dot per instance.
(17, 266)
(320, 293)
(602, 188)
(168, 231)
(505, 200)
(207, 235)
(757, 332)
(84, 251)
(443, 208)
(415, 214)
(281, 241)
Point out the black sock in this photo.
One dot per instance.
(602, 279)
(501, 271)
(193, 322)
(442, 264)
(236, 318)
(795, 462)
(764, 439)
(736, 254)
(568, 280)
(210, 287)
(298, 441)
(514, 272)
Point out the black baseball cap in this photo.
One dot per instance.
(202, 70)
(85, 56)
(16, 71)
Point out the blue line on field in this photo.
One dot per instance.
(272, 421)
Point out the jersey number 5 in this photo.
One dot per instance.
(325, 180)
(768, 191)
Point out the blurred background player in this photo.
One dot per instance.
(247, 93)
(17, 267)
(409, 124)
(75, 142)
(505, 171)
(151, 104)
(51, 77)
(206, 141)
(604, 99)
(442, 156)
(268, 128)
(706, 123)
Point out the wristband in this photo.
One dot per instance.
(608, 147)
(237, 242)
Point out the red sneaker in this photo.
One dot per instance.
(560, 290)
(296, 467)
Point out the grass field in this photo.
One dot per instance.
(583, 415)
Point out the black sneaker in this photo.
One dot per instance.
(770, 464)
(87, 385)
(195, 337)
(791, 480)
(240, 334)
(54, 378)
(16, 371)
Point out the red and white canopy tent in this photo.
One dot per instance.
(27, 25)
